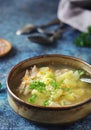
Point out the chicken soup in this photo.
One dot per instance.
(53, 86)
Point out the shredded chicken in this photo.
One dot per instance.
(33, 72)
(54, 104)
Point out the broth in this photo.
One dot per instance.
(54, 86)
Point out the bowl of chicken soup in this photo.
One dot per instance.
(47, 89)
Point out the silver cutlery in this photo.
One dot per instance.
(47, 39)
(30, 28)
(87, 80)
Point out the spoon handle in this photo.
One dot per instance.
(58, 33)
(87, 80)
(51, 23)
(30, 28)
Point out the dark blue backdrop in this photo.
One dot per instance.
(13, 15)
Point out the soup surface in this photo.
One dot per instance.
(53, 86)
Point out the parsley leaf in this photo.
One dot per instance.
(46, 102)
(40, 86)
(60, 82)
(81, 72)
(63, 103)
(84, 39)
(66, 89)
(0, 85)
(33, 98)
(54, 84)
(51, 76)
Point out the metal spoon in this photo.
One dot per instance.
(43, 31)
(41, 39)
(46, 39)
(30, 28)
(87, 80)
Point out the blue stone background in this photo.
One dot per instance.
(13, 15)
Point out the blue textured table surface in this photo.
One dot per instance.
(13, 15)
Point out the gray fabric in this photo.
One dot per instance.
(74, 16)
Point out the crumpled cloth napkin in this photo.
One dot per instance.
(75, 16)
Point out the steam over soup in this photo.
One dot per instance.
(53, 87)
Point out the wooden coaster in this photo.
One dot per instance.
(5, 47)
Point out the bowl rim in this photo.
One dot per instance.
(47, 107)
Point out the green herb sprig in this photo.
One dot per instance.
(0, 85)
(32, 98)
(81, 72)
(46, 102)
(54, 84)
(84, 39)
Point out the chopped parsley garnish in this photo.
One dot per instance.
(0, 85)
(63, 103)
(46, 102)
(54, 84)
(66, 89)
(51, 76)
(60, 82)
(81, 72)
(40, 86)
(33, 98)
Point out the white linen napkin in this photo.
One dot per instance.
(75, 16)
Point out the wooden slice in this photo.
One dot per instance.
(5, 47)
